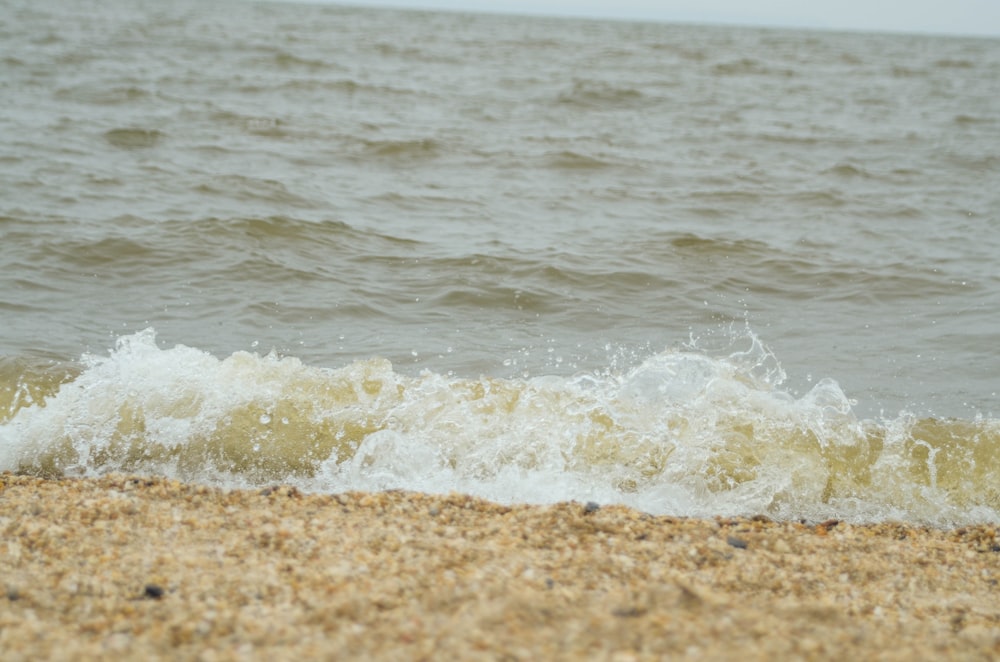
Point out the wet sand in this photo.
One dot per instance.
(136, 568)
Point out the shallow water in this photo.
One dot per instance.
(701, 270)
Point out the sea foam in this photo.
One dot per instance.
(683, 432)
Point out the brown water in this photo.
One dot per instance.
(759, 236)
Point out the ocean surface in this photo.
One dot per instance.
(697, 270)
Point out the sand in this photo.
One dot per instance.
(137, 568)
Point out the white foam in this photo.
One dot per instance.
(683, 432)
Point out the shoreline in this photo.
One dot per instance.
(150, 568)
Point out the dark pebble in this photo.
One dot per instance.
(153, 592)
(591, 507)
(738, 543)
(628, 612)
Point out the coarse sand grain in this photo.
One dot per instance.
(147, 568)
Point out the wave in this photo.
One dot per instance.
(133, 138)
(242, 188)
(748, 66)
(415, 149)
(686, 432)
(591, 94)
(569, 160)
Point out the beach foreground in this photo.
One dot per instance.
(139, 568)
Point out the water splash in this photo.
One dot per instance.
(685, 432)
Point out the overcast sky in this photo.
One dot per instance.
(978, 17)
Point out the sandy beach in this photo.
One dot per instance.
(139, 568)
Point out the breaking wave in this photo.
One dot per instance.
(684, 432)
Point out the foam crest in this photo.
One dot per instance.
(685, 432)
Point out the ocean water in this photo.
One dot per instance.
(697, 270)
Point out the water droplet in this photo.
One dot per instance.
(265, 419)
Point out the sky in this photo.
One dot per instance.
(969, 17)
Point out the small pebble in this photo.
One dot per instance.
(738, 543)
(153, 592)
(628, 612)
(591, 507)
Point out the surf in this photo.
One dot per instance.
(682, 432)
